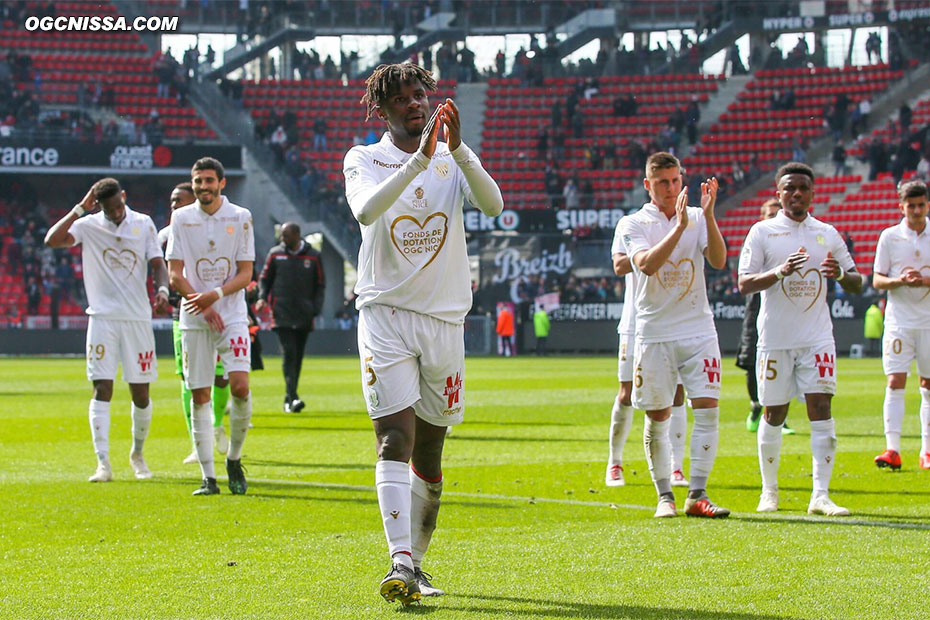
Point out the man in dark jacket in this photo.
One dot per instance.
(292, 283)
(746, 354)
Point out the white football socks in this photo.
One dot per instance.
(141, 420)
(769, 441)
(658, 453)
(240, 414)
(98, 414)
(392, 482)
(678, 435)
(823, 453)
(893, 413)
(424, 510)
(924, 420)
(621, 420)
(202, 430)
(704, 441)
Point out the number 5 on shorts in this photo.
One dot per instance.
(371, 371)
(770, 372)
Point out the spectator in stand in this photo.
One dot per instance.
(839, 159)
(873, 48)
(279, 142)
(905, 117)
(865, 109)
(923, 169)
(319, 135)
(570, 194)
(692, 118)
(33, 297)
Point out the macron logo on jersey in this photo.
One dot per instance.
(712, 368)
(239, 346)
(825, 364)
(145, 360)
(453, 388)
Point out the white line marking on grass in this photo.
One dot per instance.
(525, 499)
(510, 498)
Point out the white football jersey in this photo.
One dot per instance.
(627, 324)
(794, 312)
(210, 246)
(115, 262)
(901, 249)
(672, 303)
(413, 256)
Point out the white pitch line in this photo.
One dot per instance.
(576, 502)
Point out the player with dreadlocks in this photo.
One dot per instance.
(413, 291)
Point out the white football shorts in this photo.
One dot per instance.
(201, 347)
(130, 343)
(901, 346)
(786, 374)
(412, 360)
(660, 366)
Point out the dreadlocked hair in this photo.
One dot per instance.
(386, 80)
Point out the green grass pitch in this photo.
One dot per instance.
(527, 528)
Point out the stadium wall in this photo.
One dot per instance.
(582, 337)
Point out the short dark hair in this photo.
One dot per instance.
(209, 163)
(386, 80)
(661, 161)
(186, 186)
(771, 202)
(106, 188)
(912, 189)
(794, 167)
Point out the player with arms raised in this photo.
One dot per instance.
(902, 267)
(675, 333)
(116, 245)
(407, 193)
(211, 249)
(789, 258)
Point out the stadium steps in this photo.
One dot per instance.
(471, 99)
(717, 105)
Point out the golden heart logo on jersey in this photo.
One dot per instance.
(415, 240)
(213, 270)
(120, 259)
(677, 276)
(920, 270)
(803, 286)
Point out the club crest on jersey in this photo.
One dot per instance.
(821, 240)
(442, 169)
(230, 230)
(135, 230)
(419, 202)
(825, 363)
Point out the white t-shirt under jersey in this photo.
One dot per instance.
(413, 256)
(627, 324)
(901, 249)
(672, 303)
(115, 262)
(794, 312)
(210, 246)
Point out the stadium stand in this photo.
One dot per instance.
(576, 126)
(103, 70)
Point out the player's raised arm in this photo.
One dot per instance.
(716, 250)
(485, 193)
(58, 235)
